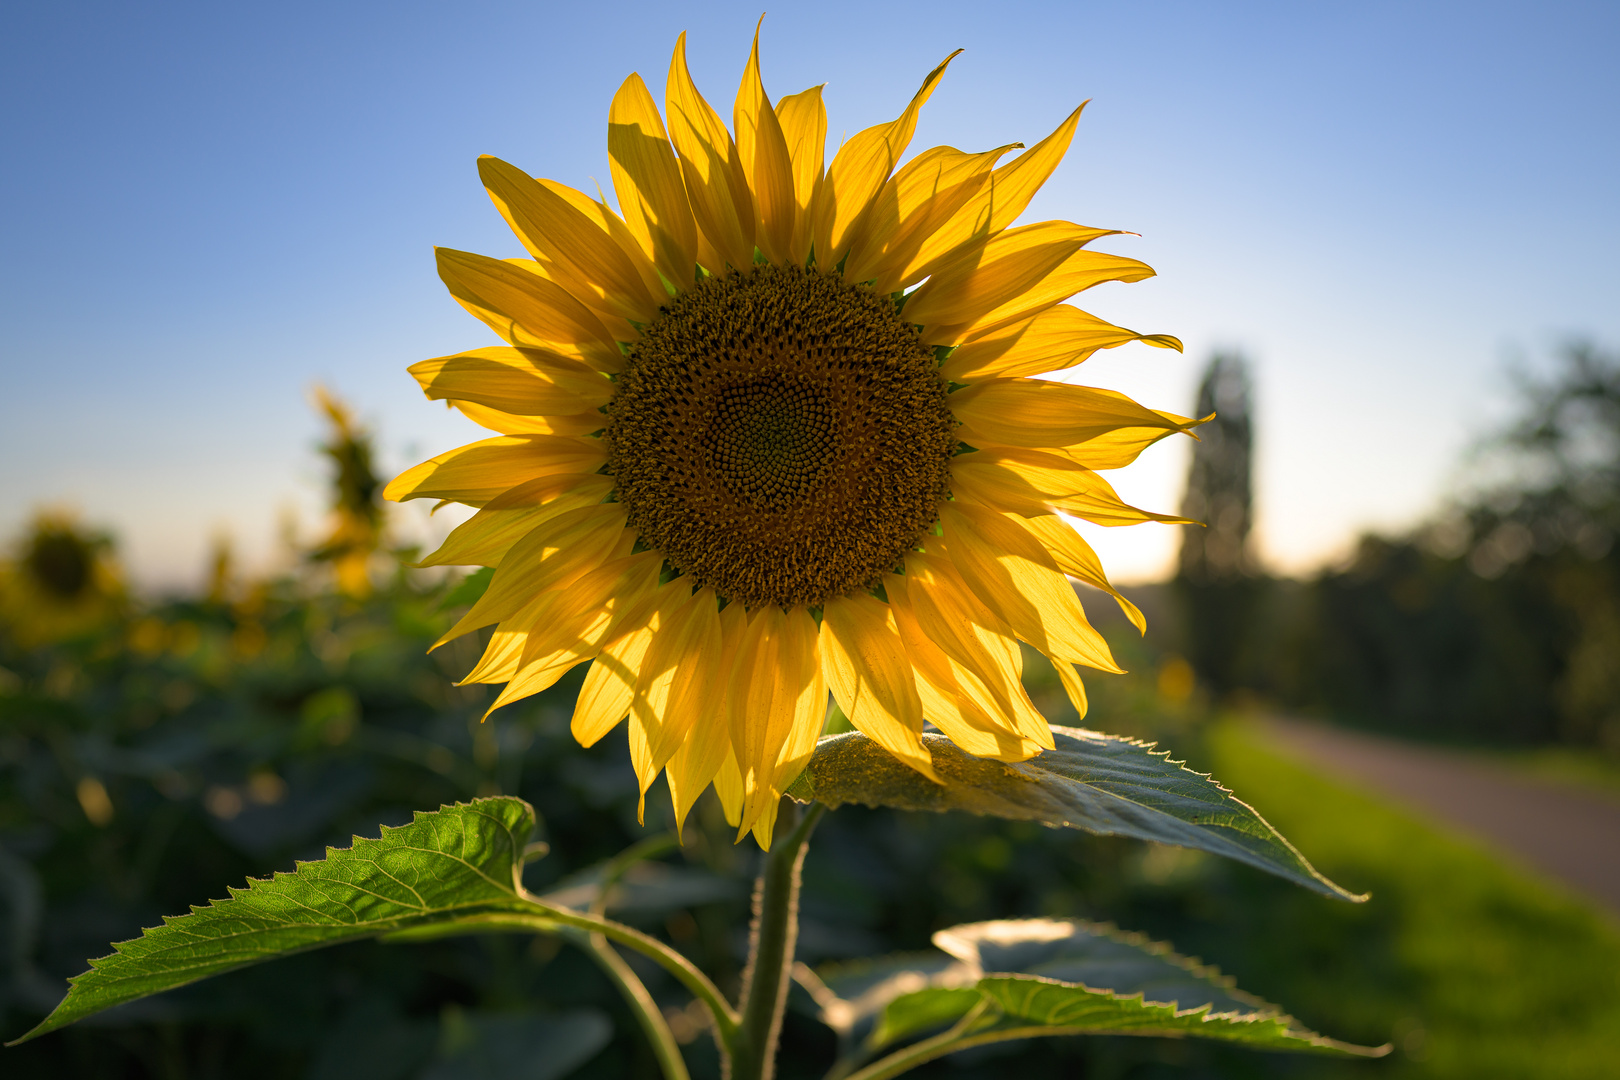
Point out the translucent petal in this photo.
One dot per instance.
(866, 668)
(647, 180)
(481, 471)
(716, 182)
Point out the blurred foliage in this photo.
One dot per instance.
(154, 754)
(1497, 622)
(162, 758)
(356, 512)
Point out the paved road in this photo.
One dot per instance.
(1569, 833)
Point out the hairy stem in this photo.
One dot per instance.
(771, 941)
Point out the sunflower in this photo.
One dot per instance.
(768, 432)
(63, 583)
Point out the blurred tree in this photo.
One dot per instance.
(1215, 581)
(1500, 619)
(357, 512)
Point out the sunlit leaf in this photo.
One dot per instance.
(449, 863)
(1100, 783)
(1033, 977)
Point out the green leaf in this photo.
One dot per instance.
(1065, 973)
(1100, 783)
(1026, 978)
(449, 863)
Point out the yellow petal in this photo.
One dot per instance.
(552, 556)
(1059, 337)
(984, 655)
(704, 752)
(804, 128)
(766, 162)
(677, 684)
(1041, 413)
(583, 616)
(1076, 558)
(1018, 268)
(944, 704)
(520, 646)
(575, 249)
(513, 424)
(857, 174)
(716, 182)
(1118, 448)
(772, 695)
(1030, 483)
(647, 179)
(609, 689)
(865, 665)
(499, 661)
(572, 624)
(809, 718)
(523, 381)
(480, 471)
(487, 536)
(765, 824)
(527, 309)
(923, 194)
(997, 204)
(1077, 273)
(1072, 685)
(728, 788)
(622, 237)
(1011, 571)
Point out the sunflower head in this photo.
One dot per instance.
(62, 582)
(765, 431)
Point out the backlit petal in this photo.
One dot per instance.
(870, 676)
(766, 161)
(1031, 483)
(480, 471)
(647, 180)
(804, 128)
(1041, 413)
(716, 182)
(700, 758)
(923, 194)
(560, 233)
(484, 538)
(527, 309)
(522, 381)
(1076, 558)
(1010, 570)
(858, 172)
(1059, 337)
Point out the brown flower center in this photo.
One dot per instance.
(781, 436)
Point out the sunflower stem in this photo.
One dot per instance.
(771, 940)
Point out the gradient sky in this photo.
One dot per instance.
(208, 208)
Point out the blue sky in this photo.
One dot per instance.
(208, 208)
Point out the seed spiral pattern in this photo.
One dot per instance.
(781, 435)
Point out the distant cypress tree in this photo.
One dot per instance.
(1215, 575)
